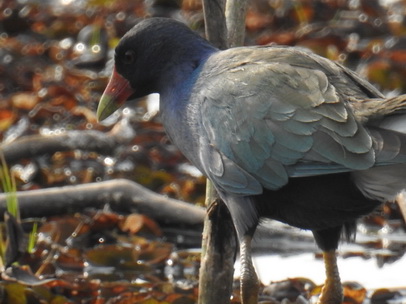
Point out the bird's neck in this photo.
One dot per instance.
(178, 79)
(179, 108)
(181, 72)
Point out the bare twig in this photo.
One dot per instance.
(215, 22)
(218, 252)
(219, 239)
(120, 194)
(36, 145)
(85, 140)
(236, 11)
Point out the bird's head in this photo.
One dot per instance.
(145, 59)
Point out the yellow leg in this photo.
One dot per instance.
(248, 279)
(332, 290)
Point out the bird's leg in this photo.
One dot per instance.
(248, 277)
(332, 291)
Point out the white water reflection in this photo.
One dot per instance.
(273, 268)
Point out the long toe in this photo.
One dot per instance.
(331, 294)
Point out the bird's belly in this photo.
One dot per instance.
(315, 203)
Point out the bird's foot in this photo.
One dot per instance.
(331, 294)
(249, 290)
(248, 278)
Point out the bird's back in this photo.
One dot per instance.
(278, 119)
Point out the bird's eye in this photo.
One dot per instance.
(129, 57)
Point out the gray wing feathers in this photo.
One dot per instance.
(290, 121)
(228, 175)
(285, 115)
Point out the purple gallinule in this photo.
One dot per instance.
(282, 133)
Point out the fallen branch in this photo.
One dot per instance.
(86, 140)
(35, 145)
(120, 194)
